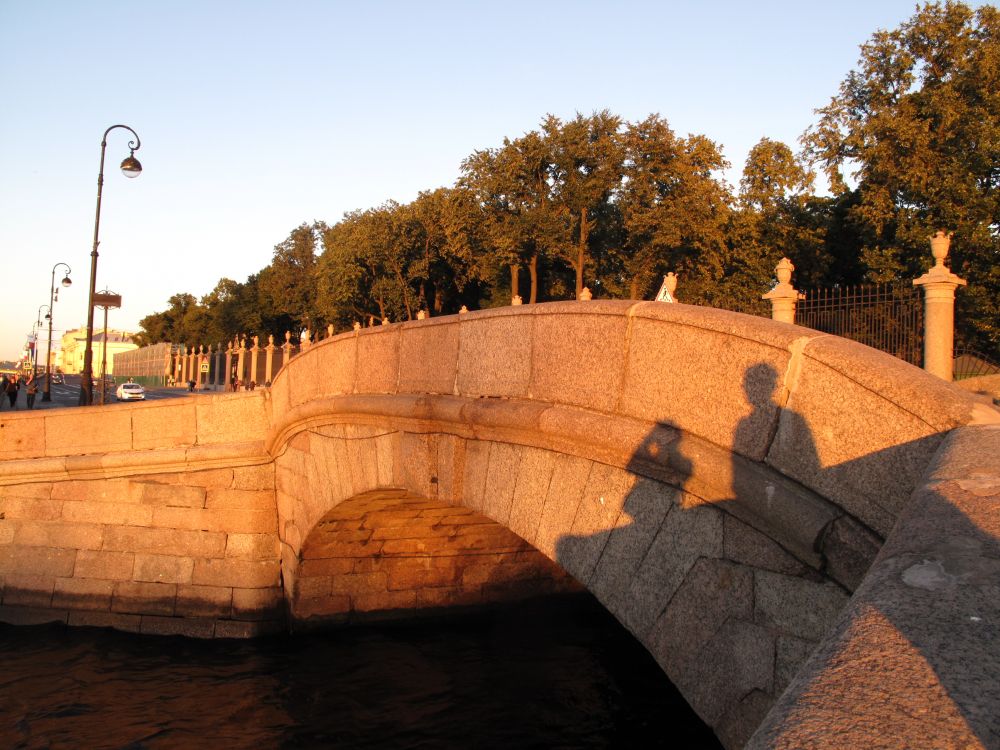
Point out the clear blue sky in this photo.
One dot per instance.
(258, 116)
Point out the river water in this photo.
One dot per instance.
(554, 673)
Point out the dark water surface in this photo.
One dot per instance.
(558, 673)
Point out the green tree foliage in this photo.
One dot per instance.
(917, 130)
(287, 287)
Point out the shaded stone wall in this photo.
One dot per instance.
(387, 552)
(194, 553)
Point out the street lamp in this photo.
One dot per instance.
(130, 167)
(53, 298)
(34, 334)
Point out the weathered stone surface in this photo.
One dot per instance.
(240, 499)
(746, 545)
(684, 537)
(127, 623)
(133, 597)
(28, 589)
(738, 660)
(428, 361)
(128, 514)
(664, 376)
(791, 654)
(21, 438)
(494, 357)
(477, 462)
(162, 568)
(203, 601)
(258, 603)
(740, 721)
(186, 626)
(572, 361)
(217, 520)
(533, 478)
(236, 573)
(171, 495)
(829, 439)
(164, 425)
(597, 516)
(569, 478)
(712, 593)
(231, 418)
(849, 549)
(77, 593)
(642, 515)
(55, 535)
(797, 607)
(252, 546)
(103, 564)
(501, 477)
(87, 430)
(41, 561)
(139, 539)
(378, 355)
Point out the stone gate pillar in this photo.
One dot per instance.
(254, 351)
(269, 359)
(783, 296)
(241, 359)
(939, 310)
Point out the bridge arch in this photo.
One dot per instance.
(720, 483)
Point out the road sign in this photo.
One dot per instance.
(204, 366)
(106, 299)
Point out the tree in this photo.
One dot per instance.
(288, 285)
(586, 169)
(918, 125)
(671, 208)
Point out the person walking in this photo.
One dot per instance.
(12, 392)
(32, 392)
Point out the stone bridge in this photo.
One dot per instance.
(802, 531)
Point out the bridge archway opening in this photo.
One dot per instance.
(390, 553)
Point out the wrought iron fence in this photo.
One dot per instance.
(888, 317)
(971, 364)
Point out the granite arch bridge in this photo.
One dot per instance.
(787, 521)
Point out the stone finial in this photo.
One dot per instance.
(288, 337)
(667, 289)
(306, 336)
(585, 294)
(243, 343)
(256, 341)
(329, 330)
(516, 300)
(421, 315)
(385, 321)
(371, 321)
(270, 339)
(357, 326)
(201, 348)
(783, 296)
(463, 311)
(940, 244)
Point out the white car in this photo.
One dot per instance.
(130, 392)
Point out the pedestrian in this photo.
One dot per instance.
(11, 389)
(32, 392)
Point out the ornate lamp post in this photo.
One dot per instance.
(53, 298)
(130, 167)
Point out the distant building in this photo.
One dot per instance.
(75, 342)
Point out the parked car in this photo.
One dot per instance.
(130, 392)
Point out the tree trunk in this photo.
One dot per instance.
(438, 301)
(633, 289)
(533, 268)
(514, 269)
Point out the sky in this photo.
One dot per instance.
(257, 116)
